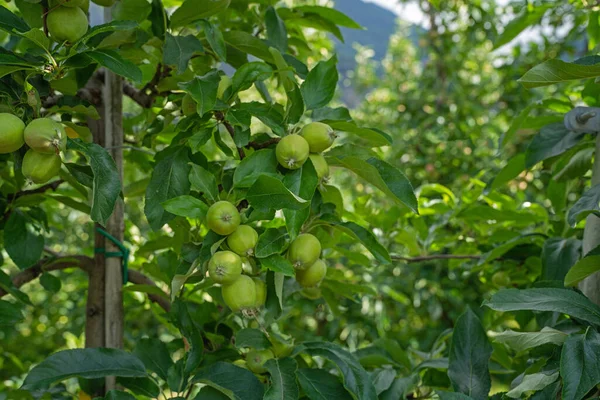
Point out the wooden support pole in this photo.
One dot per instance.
(590, 286)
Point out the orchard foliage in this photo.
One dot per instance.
(232, 139)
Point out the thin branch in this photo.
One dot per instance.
(263, 145)
(221, 118)
(44, 20)
(42, 189)
(86, 264)
(436, 257)
(140, 279)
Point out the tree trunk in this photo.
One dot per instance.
(590, 286)
(113, 299)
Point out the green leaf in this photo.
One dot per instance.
(283, 379)
(158, 19)
(381, 175)
(169, 180)
(215, 39)
(366, 237)
(203, 90)
(511, 170)
(564, 301)
(356, 380)
(37, 37)
(50, 282)
(21, 242)
(272, 241)
(247, 74)
(252, 167)
(588, 203)
(84, 363)
(579, 354)
(585, 267)
(112, 60)
(270, 193)
(319, 384)
(106, 184)
(178, 50)
(193, 10)
(319, 87)
(383, 378)
(400, 388)
(302, 182)
(521, 341)
(278, 263)
(108, 27)
(368, 136)
(558, 256)
(204, 182)
(141, 386)
(330, 14)
(552, 140)
(10, 314)
(247, 43)
(276, 30)
(470, 353)
(253, 338)
(557, 71)
(573, 165)
(10, 22)
(118, 395)
(452, 395)
(186, 206)
(154, 355)
(228, 378)
(530, 16)
(532, 382)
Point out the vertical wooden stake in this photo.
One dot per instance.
(113, 299)
(590, 286)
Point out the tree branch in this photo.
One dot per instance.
(221, 118)
(263, 145)
(436, 257)
(42, 189)
(86, 264)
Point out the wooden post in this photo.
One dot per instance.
(113, 126)
(590, 286)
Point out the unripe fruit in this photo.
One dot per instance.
(261, 292)
(105, 3)
(223, 218)
(243, 240)
(279, 347)
(40, 168)
(320, 165)
(319, 136)
(188, 105)
(241, 294)
(11, 133)
(501, 279)
(312, 293)
(66, 3)
(292, 151)
(67, 24)
(225, 267)
(313, 275)
(304, 251)
(256, 360)
(224, 84)
(46, 136)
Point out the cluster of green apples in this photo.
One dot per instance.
(313, 139)
(67, 20)
(245, 293)
(45, 137)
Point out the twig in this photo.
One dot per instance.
(263, 145)
(42, 189)
(221, 118)
(44, 20)
(436, 257)
(86, 264)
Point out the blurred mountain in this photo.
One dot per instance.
(379, 25)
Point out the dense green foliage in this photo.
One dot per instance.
(459, 289)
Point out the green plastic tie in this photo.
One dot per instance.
(123, 254)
